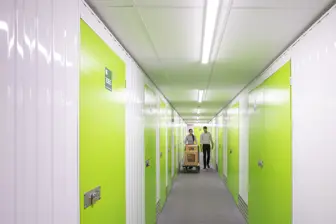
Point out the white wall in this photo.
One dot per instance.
(38, 115)
(314, 124)
(243, 147)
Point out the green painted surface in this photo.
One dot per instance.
(198, 130)
(233, 151)
(213, 151)
(220, 149)
(150, 155)
(176, 152)
(270, 196)
(170, 159)
(256, 142)
(163, 144)
(101, 130)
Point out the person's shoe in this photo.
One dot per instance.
(204, 168)
(209, 166)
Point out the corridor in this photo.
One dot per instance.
(199, 199)
(102, 102)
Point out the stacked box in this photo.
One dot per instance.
(191, 148)
(191, 158)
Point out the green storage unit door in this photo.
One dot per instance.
(233, 151)
(150, 155)
(198, 130)
(220, 149)
(177, 148)
(170, 160)
(256, 145)
(270, 196)
(163, 142)
(101, 130)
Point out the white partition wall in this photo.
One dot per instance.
(38, 116)
(314, 124)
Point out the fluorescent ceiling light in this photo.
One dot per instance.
(197, 118)
(209, 30)
(198, 111)
(200, 96)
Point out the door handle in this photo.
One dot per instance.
(261, 163)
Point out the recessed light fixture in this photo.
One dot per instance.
(200, 96)
(209, 30)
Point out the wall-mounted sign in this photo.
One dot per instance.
(108, 79)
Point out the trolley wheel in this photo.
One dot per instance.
(198, 169)
(185, 169)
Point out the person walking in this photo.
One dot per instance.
(205, 141)
(190, 139)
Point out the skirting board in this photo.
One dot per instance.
(243, 208)
(158, 208)
(225, 180)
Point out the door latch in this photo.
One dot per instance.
(261, 163)
(91, 197)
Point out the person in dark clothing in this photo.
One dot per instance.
(206, 140)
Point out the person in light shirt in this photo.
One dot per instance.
(206, 139)
(190, 139)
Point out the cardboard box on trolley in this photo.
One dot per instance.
(191, 148)
(191, 156)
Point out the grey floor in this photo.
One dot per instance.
(200, 199)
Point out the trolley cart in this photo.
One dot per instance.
(191, 158)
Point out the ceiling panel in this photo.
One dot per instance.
(184, 67)
(112, 3)
(171, 3)
(261, 33)
(290, 4)
(180, 95)
(127, 27)
(176, 33)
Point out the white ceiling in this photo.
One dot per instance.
(165, 38)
